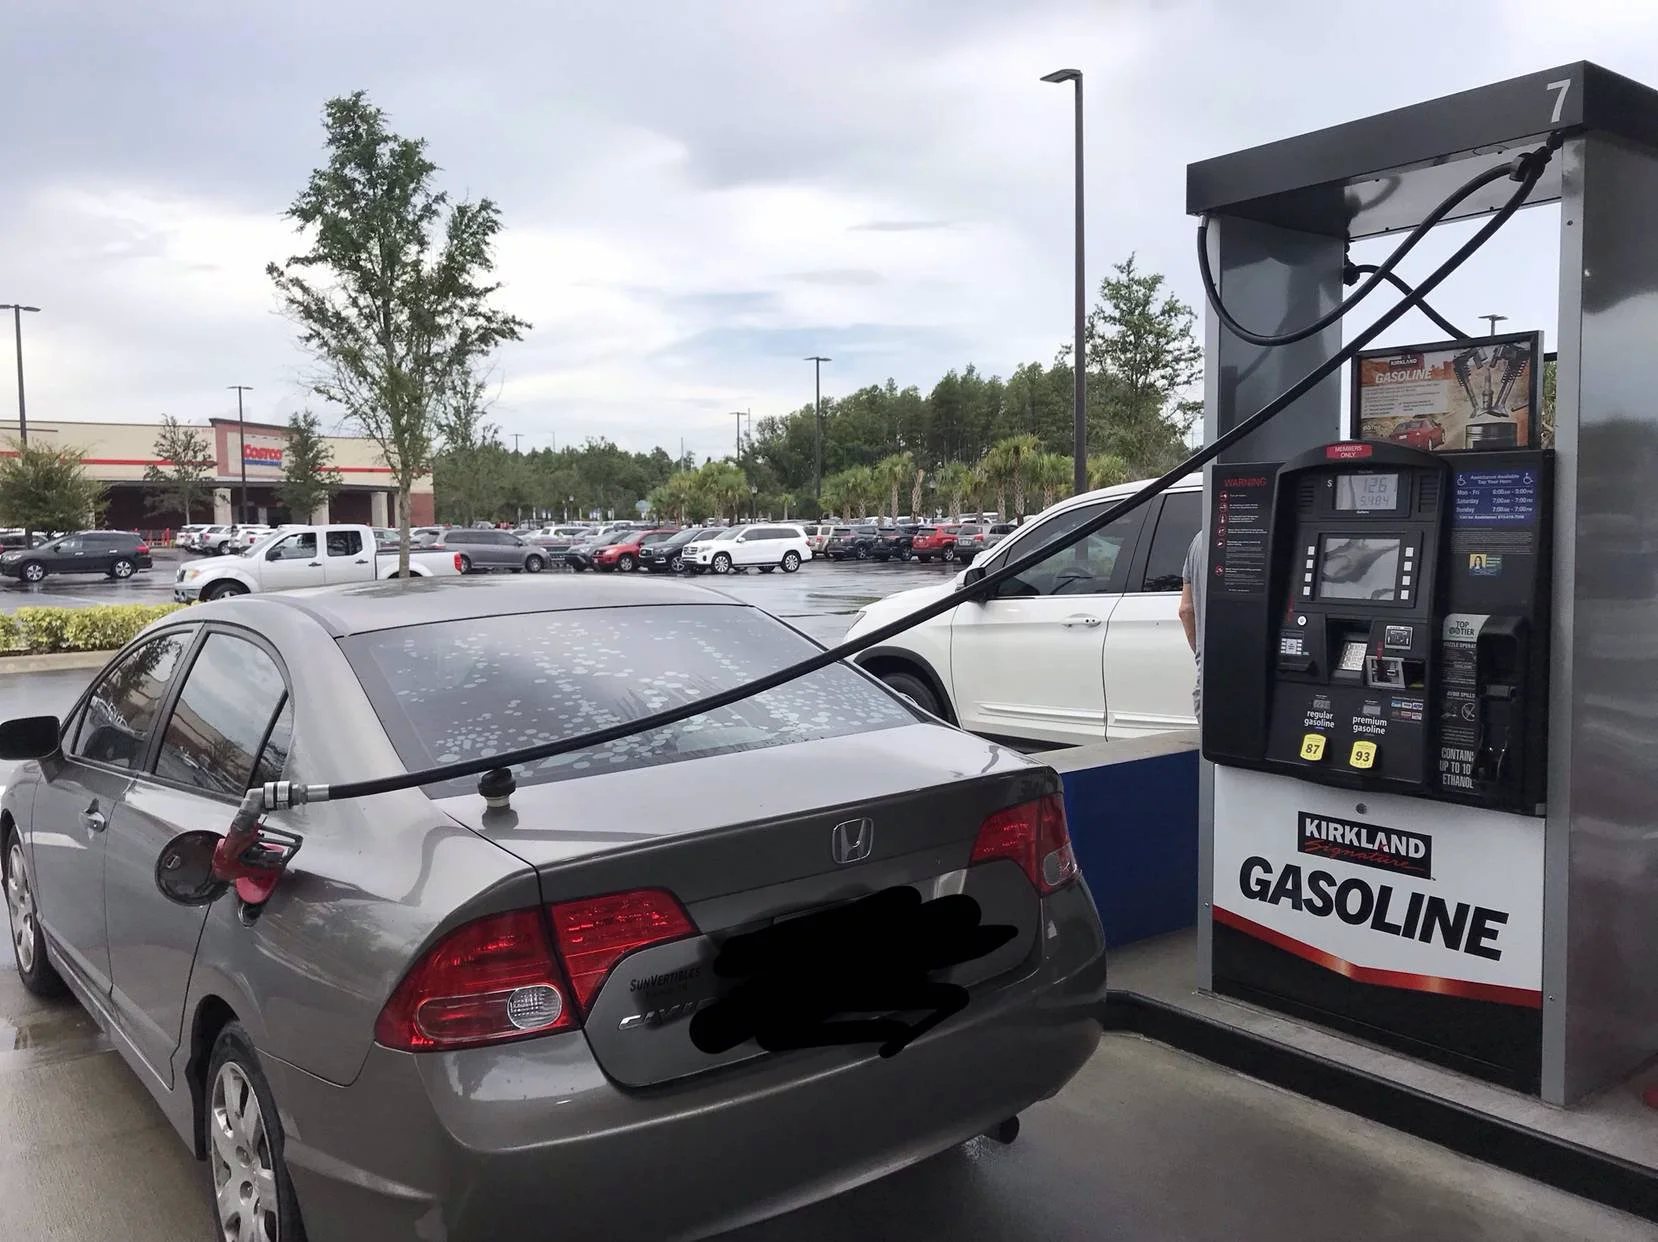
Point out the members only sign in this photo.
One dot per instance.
(1451, 904)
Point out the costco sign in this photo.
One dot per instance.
(262, 454)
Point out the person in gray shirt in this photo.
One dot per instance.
(1191, 612)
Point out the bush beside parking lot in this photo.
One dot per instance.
(104, 627)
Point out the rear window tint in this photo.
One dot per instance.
(466, 689)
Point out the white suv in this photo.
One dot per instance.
(762, 544)
(1086, 645)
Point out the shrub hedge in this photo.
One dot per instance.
(32, 631)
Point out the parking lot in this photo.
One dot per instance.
(820, 600)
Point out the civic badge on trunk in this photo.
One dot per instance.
(852, 840)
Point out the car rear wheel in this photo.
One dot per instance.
(914, 689)
(253, 1196)
(28, 942)
(949, 554)
(863, 553)
(791, 561)
(224, 590)
(722, 563)
(464, 562)
(906, 555)
(627, 562)
(534, 564)
(33, 571)
(122, 569)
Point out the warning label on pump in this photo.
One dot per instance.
(1238, 547)
(1459, 701)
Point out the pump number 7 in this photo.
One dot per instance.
(1564, 85)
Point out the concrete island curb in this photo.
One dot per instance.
(54, 661)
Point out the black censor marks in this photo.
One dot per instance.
(795, 979)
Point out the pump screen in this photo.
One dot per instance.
(1360, 492)
(1358, 568)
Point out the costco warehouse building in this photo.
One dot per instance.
(117, 454)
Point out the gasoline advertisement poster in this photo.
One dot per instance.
(1480, 394)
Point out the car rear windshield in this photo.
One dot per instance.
(458, 690)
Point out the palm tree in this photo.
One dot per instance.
(863, 489)
(1007, 462)
(1106, 470)
(1050, 475)
(676, 496)
(837, 494)
(892, 474)
(951, 483)
(985, 479)
(915, 492)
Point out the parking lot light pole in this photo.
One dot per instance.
(817, 361)
(242, 452)
(1079, 409)
(17, 327)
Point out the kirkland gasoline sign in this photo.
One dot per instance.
(1451, 905)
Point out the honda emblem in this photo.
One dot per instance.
(852, 841)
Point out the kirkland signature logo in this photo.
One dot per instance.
(1389, 849)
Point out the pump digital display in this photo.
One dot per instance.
(1362, 567)
(1361, 492)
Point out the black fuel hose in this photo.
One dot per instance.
(1525, 169)
(1378, 274)
(1355, 270)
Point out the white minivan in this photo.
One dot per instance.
(765, 545)
(1086, 645)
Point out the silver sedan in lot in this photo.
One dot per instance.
(679, 982)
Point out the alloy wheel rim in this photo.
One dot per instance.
(33, 573)
(122, 569)
(20, 910)
(244, 1178)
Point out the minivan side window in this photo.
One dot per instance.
(115, 725)
(1182, 512)
(223, 717)
(1095, 566)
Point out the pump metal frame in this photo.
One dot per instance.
(1281, 216)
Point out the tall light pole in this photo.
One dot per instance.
(17, 326)
(739, 416)
(1079, 413)
(817, 361)
(1493, 320)
(242, 452)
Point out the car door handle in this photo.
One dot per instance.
(1080, 619)
(92, 819)
(360, 561)
(313, 565)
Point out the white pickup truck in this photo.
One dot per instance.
(305, 556)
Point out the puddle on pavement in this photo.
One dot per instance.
(53, 1031)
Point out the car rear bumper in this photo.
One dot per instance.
(531, 1140)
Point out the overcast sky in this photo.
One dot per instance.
(696, 195)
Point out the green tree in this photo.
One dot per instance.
(43, 487)
(1545, 434)
(1107, 470)
(393, 296)
(1007, 463)
(182, 477)
(308, 480)
(1051, 475)
(952, 482)
(894, 475)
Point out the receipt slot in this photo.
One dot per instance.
(1378, 620)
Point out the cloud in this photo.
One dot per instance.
(898, 226)
(848, 276)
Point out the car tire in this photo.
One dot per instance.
(916, 690)
(223, 590)
(122, 569)
(242, 1134)
(722, 563)
(948, 555)
(31, 571)
(464, 562)
(676, 564)
(863, 553)
(766, 569)
(36, 971)
(906, 555)
(534, 564)
(627, 563)
(791, 561)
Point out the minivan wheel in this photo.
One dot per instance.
(914, 689)
(791, 562)
(28, 941)
(122, 569)
(253, 1196)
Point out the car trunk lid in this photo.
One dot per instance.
(747, 842)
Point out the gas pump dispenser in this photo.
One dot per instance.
(1430, 703)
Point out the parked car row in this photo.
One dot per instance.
(220, 539)
(921, 541)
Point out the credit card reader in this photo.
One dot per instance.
(1377, 618)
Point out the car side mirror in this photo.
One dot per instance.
(275, 554)
(973, 575)
(29, 737)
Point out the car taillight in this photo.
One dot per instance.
(1034, 835)
(597, 932)
(143, 549)
(457, 562)
(488, 981)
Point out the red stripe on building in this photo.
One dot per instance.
(1527, 997)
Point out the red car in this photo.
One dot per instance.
(931, 541)
(624, 556)
(1419, 433)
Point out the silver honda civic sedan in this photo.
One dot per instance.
(664, 987)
